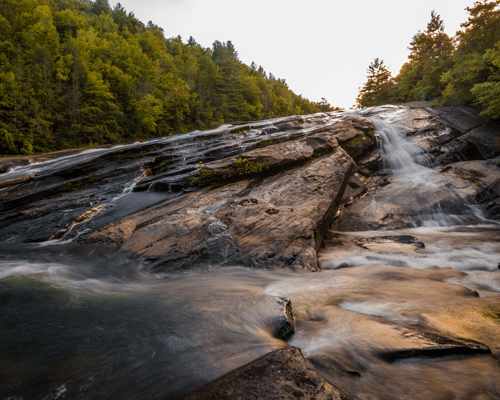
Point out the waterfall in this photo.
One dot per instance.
(436, 202)
(400, 155)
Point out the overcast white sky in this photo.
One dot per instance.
(321, 47)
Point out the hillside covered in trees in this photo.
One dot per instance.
(459, 70)
(78, 73)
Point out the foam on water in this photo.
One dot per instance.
(25, 268)
(443, 247)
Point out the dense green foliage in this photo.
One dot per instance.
(78, 73)
(463, 70)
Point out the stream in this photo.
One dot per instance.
(75, 325)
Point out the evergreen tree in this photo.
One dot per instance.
(372, 91)
(430, 53)
(464, 70)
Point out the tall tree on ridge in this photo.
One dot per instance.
(378, 78)
(470, 66)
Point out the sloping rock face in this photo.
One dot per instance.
(270, 223)
(274, 189)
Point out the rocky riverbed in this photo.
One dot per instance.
(336, 255)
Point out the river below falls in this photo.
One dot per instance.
(102, 328)
(80, 325)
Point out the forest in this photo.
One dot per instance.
(77, 73)
(463, 70)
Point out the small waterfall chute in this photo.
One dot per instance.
(413, 181)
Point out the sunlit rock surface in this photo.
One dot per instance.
(270, 223)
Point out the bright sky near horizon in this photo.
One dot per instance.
(322, 48)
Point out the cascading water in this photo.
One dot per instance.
(412, 181)
(401, 156)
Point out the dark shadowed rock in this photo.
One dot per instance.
(354, 188)
(438, 346)
(281, 374)
(485, 177)
(370, 162)
(285, 323)
(486, 139)
(462, 119)
(456, 151)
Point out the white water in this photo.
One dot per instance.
(400, 155)
(418, 188)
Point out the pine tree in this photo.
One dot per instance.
(378, 77)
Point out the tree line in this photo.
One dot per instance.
(78, 73)
(459, 70)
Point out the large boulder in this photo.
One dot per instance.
(449, 134)
(354, 134)
(281, 374)
(484, 176)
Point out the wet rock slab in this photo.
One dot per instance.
(287, 179)
(277, 222)
(281, 374)
(269, 158)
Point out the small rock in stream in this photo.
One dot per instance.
(285, 324)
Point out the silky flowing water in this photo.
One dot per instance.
(79, 325)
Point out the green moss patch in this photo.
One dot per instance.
(246, 167)
(241, 167)
(265, 143)
(349, 145)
